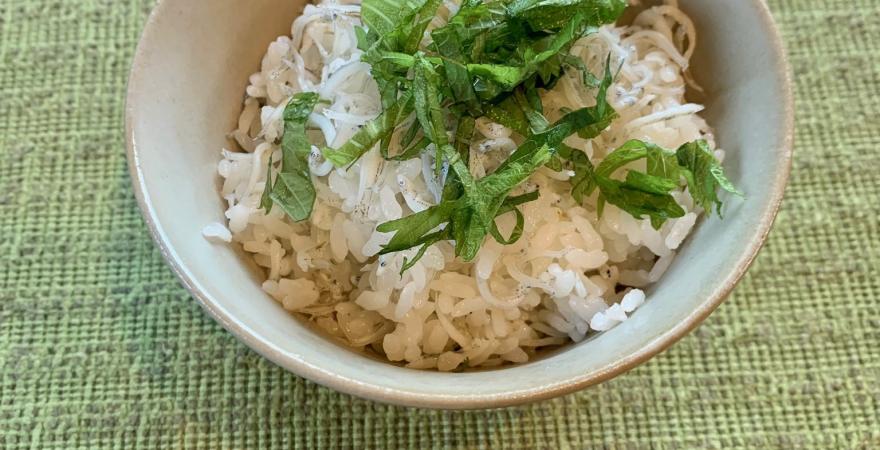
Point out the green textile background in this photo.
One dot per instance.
(100, 347)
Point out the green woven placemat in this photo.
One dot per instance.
(100, 347)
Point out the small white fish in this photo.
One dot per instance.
(413, 200)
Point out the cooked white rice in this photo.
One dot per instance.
(571, 274)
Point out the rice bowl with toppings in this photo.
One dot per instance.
(580, 262)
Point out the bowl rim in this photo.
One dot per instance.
(403, 397)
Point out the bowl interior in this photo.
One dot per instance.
(185, 94)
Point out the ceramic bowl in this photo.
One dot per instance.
(185, 94)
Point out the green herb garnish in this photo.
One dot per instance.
(491, 59)
(704, 174)
(293, 190)
(647, 195)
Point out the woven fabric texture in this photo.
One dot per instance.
(100, 347)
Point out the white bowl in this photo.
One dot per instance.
(185, 93)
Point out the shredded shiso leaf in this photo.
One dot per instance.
(491, 59)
